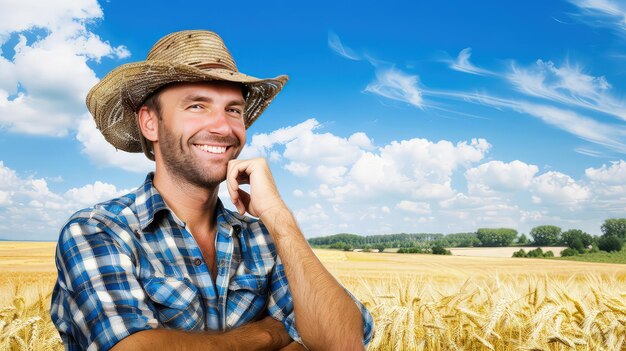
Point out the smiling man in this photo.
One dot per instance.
(167, 266)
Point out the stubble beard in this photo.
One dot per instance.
(183, 166)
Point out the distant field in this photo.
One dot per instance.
(419, 302)
(501, 251)
(27, 256)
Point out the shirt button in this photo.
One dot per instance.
(197, 261)
(236, 229)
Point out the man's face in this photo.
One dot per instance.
(200, 130)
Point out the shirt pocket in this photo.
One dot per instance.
(247, 298)
(176, 301)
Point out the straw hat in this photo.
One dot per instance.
(186, 56)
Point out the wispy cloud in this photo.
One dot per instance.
(611, 12)
(397, 85)
(463, 64)
(612, 136)
(588, 152)
(568, 85)
(335, 44)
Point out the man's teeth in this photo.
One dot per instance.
(213, 149)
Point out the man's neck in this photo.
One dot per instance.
(192, 204)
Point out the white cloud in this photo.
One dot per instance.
(567, 85)
(323, 149)
(314, 213)
(261, 144)
(29, 207)
(50, 69)
(612, 175)
(499, 176)
(555, 188)
(298, 168)
(397, 85)
(101, 153)
(335, 44)
(414, 207)
(610, 136)
(607, 135)
(298, 193)
(463, 64)
(331, 175)
(604, 12)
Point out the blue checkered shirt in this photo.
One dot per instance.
(130, 264)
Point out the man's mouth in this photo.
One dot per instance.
(212, 149)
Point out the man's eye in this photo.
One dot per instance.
(195, 107)
(235, 110)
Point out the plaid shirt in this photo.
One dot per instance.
(130, 264)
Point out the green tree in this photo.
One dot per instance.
(520, 253)
(546, 235)
(496, 236)
(440, 250)
(523, 240)
(380, 248)
(569, 252)
(576, 239)
(538, 252)
(610, 243)
(615, 227)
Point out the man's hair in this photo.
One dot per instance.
(152, 101)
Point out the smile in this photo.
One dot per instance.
(212, 149)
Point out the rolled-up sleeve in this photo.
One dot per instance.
(280, 306)
(97, 300)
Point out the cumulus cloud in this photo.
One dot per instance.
(555, 188)
(615, 174)
(50, 68)
(101, 153)
(417, 167)
(30, 208)
(397, 85)
(262, 144)
(499, 176)
(414, 207)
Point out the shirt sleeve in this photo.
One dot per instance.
(280, 306)
(97, 300)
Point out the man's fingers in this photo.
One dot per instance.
(244, 201)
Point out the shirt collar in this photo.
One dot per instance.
(149, 202)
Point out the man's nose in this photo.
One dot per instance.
(219, 122)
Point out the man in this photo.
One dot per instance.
(167, 266)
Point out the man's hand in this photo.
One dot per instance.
(263, 192)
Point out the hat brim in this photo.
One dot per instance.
(114, 101)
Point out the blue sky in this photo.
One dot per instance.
(399, 116)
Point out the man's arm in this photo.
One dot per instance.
(266, 334)
(326, 317)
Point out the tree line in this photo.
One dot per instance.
(612, 239)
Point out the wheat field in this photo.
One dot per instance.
(419, 302)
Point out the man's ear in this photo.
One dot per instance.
(148, 123)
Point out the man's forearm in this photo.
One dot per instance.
(267, 334)
(326, 317)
